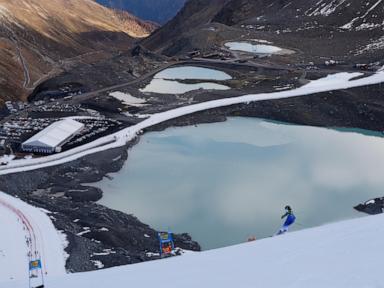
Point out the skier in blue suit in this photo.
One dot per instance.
(288, 222)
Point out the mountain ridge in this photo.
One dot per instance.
(148, 9)
(37, 37)
(319, 29)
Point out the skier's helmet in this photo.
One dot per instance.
(288, 208)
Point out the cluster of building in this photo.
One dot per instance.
(40, 106)
(57, 107)
(93, 128)
(52, 138)
(16, 128)
(14, 107)
(47, 135)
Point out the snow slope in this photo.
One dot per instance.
(345, 254)
(332, 82)
(21, 221)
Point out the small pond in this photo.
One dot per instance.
(260, 49)
(165, 82)
(225, 181)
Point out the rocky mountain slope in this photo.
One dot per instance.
(344, 14)
(338, 28)
(159, 11)
(185, 31)
(38, 37)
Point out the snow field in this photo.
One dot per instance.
(344, 254)
(21, 222)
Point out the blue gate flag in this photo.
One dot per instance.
(166, 242)
(35, 265)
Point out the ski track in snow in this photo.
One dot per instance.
(338, 81)
(340, 255)
(30, 236)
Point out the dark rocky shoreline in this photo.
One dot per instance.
(359, 108)
(106, 235)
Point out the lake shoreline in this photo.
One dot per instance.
(326, 110)
(257, 138)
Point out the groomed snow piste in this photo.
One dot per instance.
(26, 229)
(346, 254)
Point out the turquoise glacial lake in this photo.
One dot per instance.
(226, 181)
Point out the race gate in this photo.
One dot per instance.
(166, 243)
(35, 268)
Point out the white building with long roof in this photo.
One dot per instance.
(52, 138)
